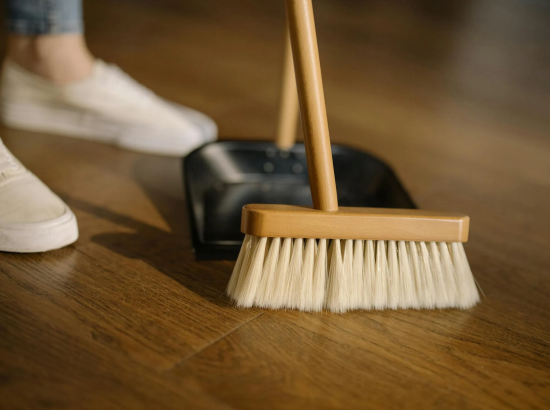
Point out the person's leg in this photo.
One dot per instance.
(46, 38)
(32, 217)
(51, 83)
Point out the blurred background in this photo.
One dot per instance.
(392, 66)
(418, 67)
(395, 72)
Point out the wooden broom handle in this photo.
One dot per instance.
(288, 110)
(312, 104)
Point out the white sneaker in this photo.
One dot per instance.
(108, 106)
(32, 218)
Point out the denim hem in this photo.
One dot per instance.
(37, 28)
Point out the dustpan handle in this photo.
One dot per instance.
(312, 104)
(288, 109)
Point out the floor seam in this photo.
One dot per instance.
(191, 355)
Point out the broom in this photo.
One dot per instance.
(344, 258)
(288, 105)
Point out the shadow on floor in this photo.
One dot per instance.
(169, 252)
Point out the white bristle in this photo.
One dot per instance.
(394, 281)
(448, 274)
(337, 300)
(347, 269)
(467, 289)
(250, 282)
(267, 283)
(278, 296)
(280, 273)
(408, 297)
(442, 299)
(295, 275)
(380, 294)
(369, 272)
(237, 268)
(430, 293)
(241, 265)
(419, 281)
(319, 276)
(305, 291)
(357, 281)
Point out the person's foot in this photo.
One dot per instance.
(32, 218)
(107, 106)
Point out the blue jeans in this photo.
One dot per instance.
(39, 17)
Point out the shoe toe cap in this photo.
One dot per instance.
(28, 200)
(206, 126)
(169, 141)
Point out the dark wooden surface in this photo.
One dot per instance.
(455, 95)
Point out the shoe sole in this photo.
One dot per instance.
(39, 237)
(94, 127)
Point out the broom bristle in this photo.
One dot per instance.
(267, 284)
(287, 273)
(319, 278)
(357, 292)
(368, 275)
(306, 290)
(278, 296)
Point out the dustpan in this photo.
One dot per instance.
(221, 177)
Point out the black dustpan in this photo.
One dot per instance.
(222, 177)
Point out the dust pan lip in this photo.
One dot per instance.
(232, 162)
(260, 145)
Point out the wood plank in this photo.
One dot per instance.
(57, 355)
(452, 359)
(153, 316)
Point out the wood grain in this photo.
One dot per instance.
(288, 221)
(303, 39)
(454, 95)
(289, 111)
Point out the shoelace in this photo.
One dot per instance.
(7, 162)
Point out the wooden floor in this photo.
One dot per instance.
(455, 95)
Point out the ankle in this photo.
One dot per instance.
(59, 58)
